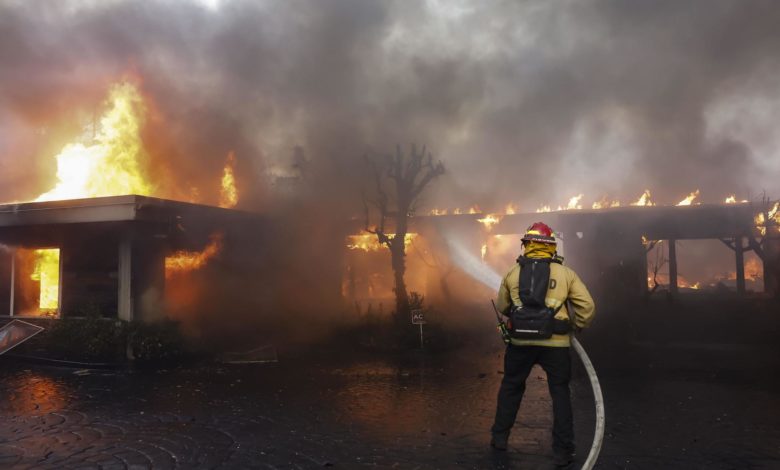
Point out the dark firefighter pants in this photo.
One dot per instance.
(518, 362)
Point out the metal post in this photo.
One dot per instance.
(13, 281)
(740, 258)
(59, 283)
(125, 295)
(673, 266)
(421, 336)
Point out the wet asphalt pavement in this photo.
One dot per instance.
(418, 411)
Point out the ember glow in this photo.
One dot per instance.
(111, 165)
(186, 261)
(770, 217)
(369, 242)
(490, 220)
(733, 200)
(228, 196)
(574, 202)
(604, 203)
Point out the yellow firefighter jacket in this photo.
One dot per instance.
(564, 284)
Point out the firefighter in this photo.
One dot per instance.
(563, 287)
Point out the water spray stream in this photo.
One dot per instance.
(481, 272)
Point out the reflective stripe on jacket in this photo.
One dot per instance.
(564, 284)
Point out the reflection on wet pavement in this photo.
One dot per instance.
(410, 413)
(413, 412)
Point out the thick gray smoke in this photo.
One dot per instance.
(531, 102)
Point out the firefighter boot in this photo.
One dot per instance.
(499, 441)
(563, 459)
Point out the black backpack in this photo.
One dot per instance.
(534, 319)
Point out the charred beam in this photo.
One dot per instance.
(740, 259)
(673, 267)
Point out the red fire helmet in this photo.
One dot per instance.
(539, 232)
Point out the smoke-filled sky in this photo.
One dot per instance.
(524, 101)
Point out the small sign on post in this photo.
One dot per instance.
(419, 319)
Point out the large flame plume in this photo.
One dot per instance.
(112, 164)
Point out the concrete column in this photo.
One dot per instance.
(148, 280)
(13, 282)
(740, 260)
(125, 302)
(673, 266)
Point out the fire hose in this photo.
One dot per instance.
(484, 274)
(598, 436)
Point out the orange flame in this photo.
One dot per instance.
(753, 269)
(228, 196)
(186, 261)
(689, 200)
(111, 165)
(644, 200)
(574, 203)
(604, 203)
(47, 273)
(772, 216)
(490, 220)
(510, 209)
(369, 242)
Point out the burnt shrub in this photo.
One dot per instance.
(156, 342)
(390, 333)
(85, 339)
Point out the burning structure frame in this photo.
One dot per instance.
(609, 246)
(111, 251)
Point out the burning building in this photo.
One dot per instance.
(110, 255)
(98, 242)
(632, 251)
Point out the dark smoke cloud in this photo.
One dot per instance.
(531, 102)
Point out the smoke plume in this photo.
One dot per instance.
(527, 102)
(531, 102)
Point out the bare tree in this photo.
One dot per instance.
(398, 182)
(660, 261)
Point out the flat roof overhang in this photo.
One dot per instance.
(656, 223)
(183, 223)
